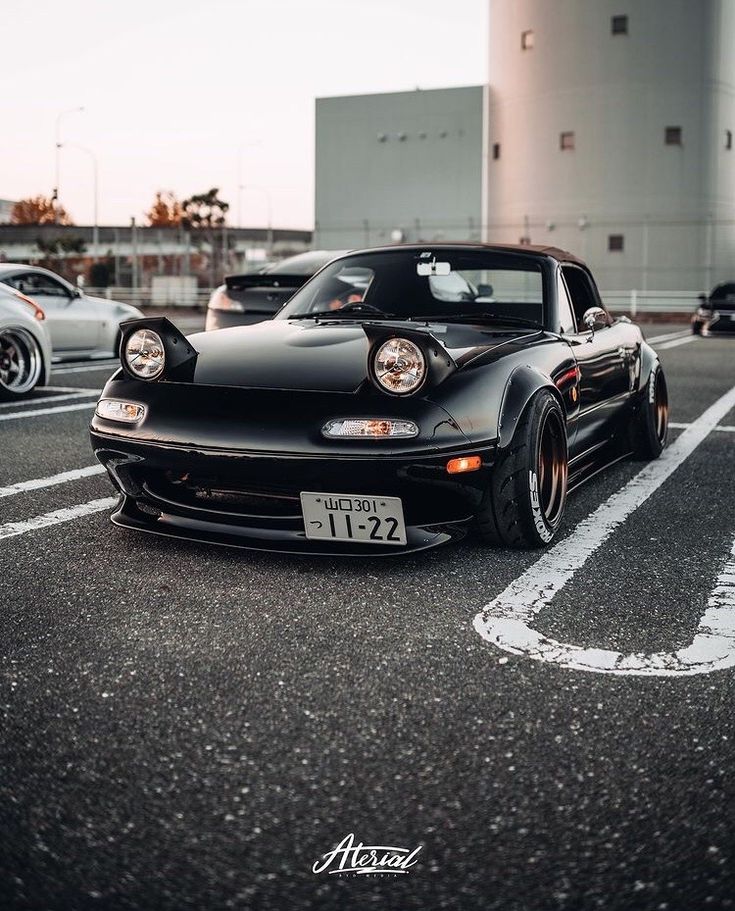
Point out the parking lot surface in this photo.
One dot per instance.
(186, 726)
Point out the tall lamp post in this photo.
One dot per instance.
(58, 145)
(95, 190)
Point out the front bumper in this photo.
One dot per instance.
(251, 499)
(723, 323)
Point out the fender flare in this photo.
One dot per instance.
(649, 362)
(523, 383)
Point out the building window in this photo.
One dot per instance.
(672, 136)
(619, 25)
(566, 141)
(615, 243)
(527, 40)
(728, 140)
(496, 150)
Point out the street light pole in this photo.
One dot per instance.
(95, 190)
(58, 146)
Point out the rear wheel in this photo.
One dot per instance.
(21, 363)
(524, 504)
(651, 424)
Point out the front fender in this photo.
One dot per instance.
(648, 363)
(523, 383)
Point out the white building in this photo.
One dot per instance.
(611, 134)
(399, 166)
(607, 128)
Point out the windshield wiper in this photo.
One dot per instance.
(481, 316)
(347, 310)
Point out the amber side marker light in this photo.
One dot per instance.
(466, 463)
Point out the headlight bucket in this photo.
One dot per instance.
(166, 352)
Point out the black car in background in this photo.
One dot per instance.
(403, 396)
(246, 299)
(716, 313)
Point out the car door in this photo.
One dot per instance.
(603, 358)
(72, 320)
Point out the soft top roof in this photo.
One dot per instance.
(537, 250)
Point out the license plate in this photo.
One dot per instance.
(365, 519)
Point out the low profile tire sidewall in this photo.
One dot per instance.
(649, 444)
(539, 525)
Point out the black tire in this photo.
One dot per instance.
(524, 504)
(651, 424)
(21, 363)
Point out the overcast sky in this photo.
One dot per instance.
(176, 91)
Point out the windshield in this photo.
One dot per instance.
(425, 284)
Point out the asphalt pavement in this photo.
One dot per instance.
(193, 727)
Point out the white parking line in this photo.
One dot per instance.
(51, 398)
(51, 481)
(678, 341)
(86, 368)
(507, 620)
(12, 529)
(680, 333)
(721, 428)
(36, 412)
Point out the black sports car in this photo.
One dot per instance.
(716, 313)
(246, 299)
(464, 386)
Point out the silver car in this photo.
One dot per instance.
(79, 326)
(25, 349)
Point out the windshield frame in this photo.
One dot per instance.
(542, 262)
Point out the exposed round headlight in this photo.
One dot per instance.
(144, 354)
(399, 366)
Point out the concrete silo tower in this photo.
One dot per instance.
(610, 132)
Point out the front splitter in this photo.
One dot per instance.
(169, 525)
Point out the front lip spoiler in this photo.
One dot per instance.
(128, 515)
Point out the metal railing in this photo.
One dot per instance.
(148, 297)
(635, 302)
(631, 302)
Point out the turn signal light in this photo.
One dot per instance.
(466, 463)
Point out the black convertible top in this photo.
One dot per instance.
(523, 249)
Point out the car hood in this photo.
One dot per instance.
(323, 356)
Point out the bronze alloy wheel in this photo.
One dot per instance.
(552, 467)
(20, 361)
(661, 407)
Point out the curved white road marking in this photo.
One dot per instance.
(507, 620)
(12, 529)
(51, 481)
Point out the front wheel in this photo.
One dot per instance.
(21, 363)
(651, 424)
(524, 504)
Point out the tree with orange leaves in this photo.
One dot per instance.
(166, 211)
(39, 210)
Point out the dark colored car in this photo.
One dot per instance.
(463, 387)
(246, 299)
(716, 313)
